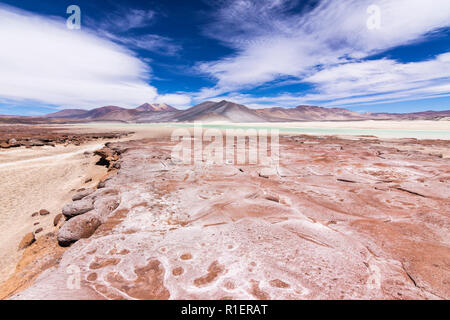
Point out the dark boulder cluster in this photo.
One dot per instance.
(89, 209)
(35, 136)
(30, 237)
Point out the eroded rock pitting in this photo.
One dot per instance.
(337, 219)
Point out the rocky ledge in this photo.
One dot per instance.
(38, 136)
(335, 219)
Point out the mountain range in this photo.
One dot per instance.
(226, 111)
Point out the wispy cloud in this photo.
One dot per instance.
(152, 42)
(323, 47)
(382, 79)
(124, 20)
(365, 83)
(272, 42)
(42, 61)
(121, 27)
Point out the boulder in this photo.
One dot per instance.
(35, 143)
(44, 212)
(78, 207)
(77, 228)
(82, 194)
(27, 241)
(107, 156)
(38, 230)
(104, 152)
(105, 205)
(101, 185)
(13, 143)
(57, 219)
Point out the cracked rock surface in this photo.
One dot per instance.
(335, 219)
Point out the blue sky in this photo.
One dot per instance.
(367, 56)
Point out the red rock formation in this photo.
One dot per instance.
(336, 219)
(37, 136)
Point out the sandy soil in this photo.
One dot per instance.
(34, 179)
(141, 131)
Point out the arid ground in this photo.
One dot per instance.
(339, 217)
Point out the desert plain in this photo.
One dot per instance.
(352, 210)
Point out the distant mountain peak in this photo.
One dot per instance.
(229, 111)
(67, 113)
(155, 107)
(219, 111)
(304, 106)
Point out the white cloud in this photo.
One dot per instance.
(271, 42)
(365, 83)
(44, 62)
(181, 101)
(254, 66)
(384, 79)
